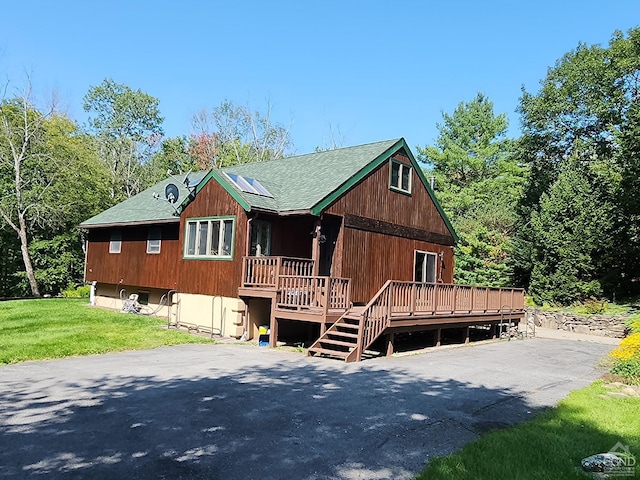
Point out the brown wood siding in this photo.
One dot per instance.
(291, 236)
(373, 199)
(370, 259)
(133, 265)
(213, 277)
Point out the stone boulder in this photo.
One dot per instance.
(601, 462)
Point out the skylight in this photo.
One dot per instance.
(248, 184)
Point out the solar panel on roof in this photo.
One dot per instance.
(248, 184)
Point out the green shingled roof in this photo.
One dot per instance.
(144, 208)
(301, 183)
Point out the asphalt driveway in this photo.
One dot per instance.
(243, 412)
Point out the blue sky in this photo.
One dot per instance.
(368, 70)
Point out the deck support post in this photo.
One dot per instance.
(466, 334)
(493, 331)
(438, 337)
(323, 328)
(389, 340)
(273, 327)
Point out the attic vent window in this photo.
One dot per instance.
(400, 177)
(248, 185)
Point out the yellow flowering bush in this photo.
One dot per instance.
(628, 349)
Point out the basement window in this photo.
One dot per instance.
(209, 238)
(115, 242)
(400, 177)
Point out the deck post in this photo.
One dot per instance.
(244, 271)
(438, 337)
(493, 331)
(435, 297)
(273, 327)
(389, 341)
(412, 301)
(315, 249)
(466, 334)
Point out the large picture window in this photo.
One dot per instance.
(400, 177)
(209, 238)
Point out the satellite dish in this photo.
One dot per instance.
(171, 193)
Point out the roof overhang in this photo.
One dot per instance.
(130, 224)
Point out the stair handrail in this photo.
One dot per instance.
(364, 333)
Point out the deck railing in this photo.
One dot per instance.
(263, 272)
(443, 298)
(437, 299)
(316, 294)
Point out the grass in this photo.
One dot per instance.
(57, 328)
(551, 445)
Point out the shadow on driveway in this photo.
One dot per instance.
(233, 412)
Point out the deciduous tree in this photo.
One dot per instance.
(128, 128)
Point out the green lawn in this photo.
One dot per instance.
(56, 328)
(551, 445)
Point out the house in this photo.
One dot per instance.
(345, 246)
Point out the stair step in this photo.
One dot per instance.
(347, 325)
(325, 351)
(341, 334)
(337, 342)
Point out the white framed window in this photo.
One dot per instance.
(425, 267)
(115, 241)
(209, 238)
(400, 176)
(154, 240)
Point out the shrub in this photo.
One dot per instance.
(628, 349)
(593, 306)
(629, 369)
(81, 291)
(627, 358)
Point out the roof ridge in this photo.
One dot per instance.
(302, 155)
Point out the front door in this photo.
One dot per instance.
(260, 238)
(328, 240)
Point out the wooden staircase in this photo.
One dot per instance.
(357, 329)
(341, 338)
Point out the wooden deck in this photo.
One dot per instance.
(347, 331)
(411, 306)
(296, 294)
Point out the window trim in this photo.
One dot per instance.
(158, 238)
(197, 221)
(402, 166)
(425, 266)
(115, 242)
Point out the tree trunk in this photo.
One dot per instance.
(26, 257)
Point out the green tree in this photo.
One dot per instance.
(571, 232)
(477, 182)
(128, 128)
(577, 123)
(49, 176)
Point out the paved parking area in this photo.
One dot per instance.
(243, 412)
